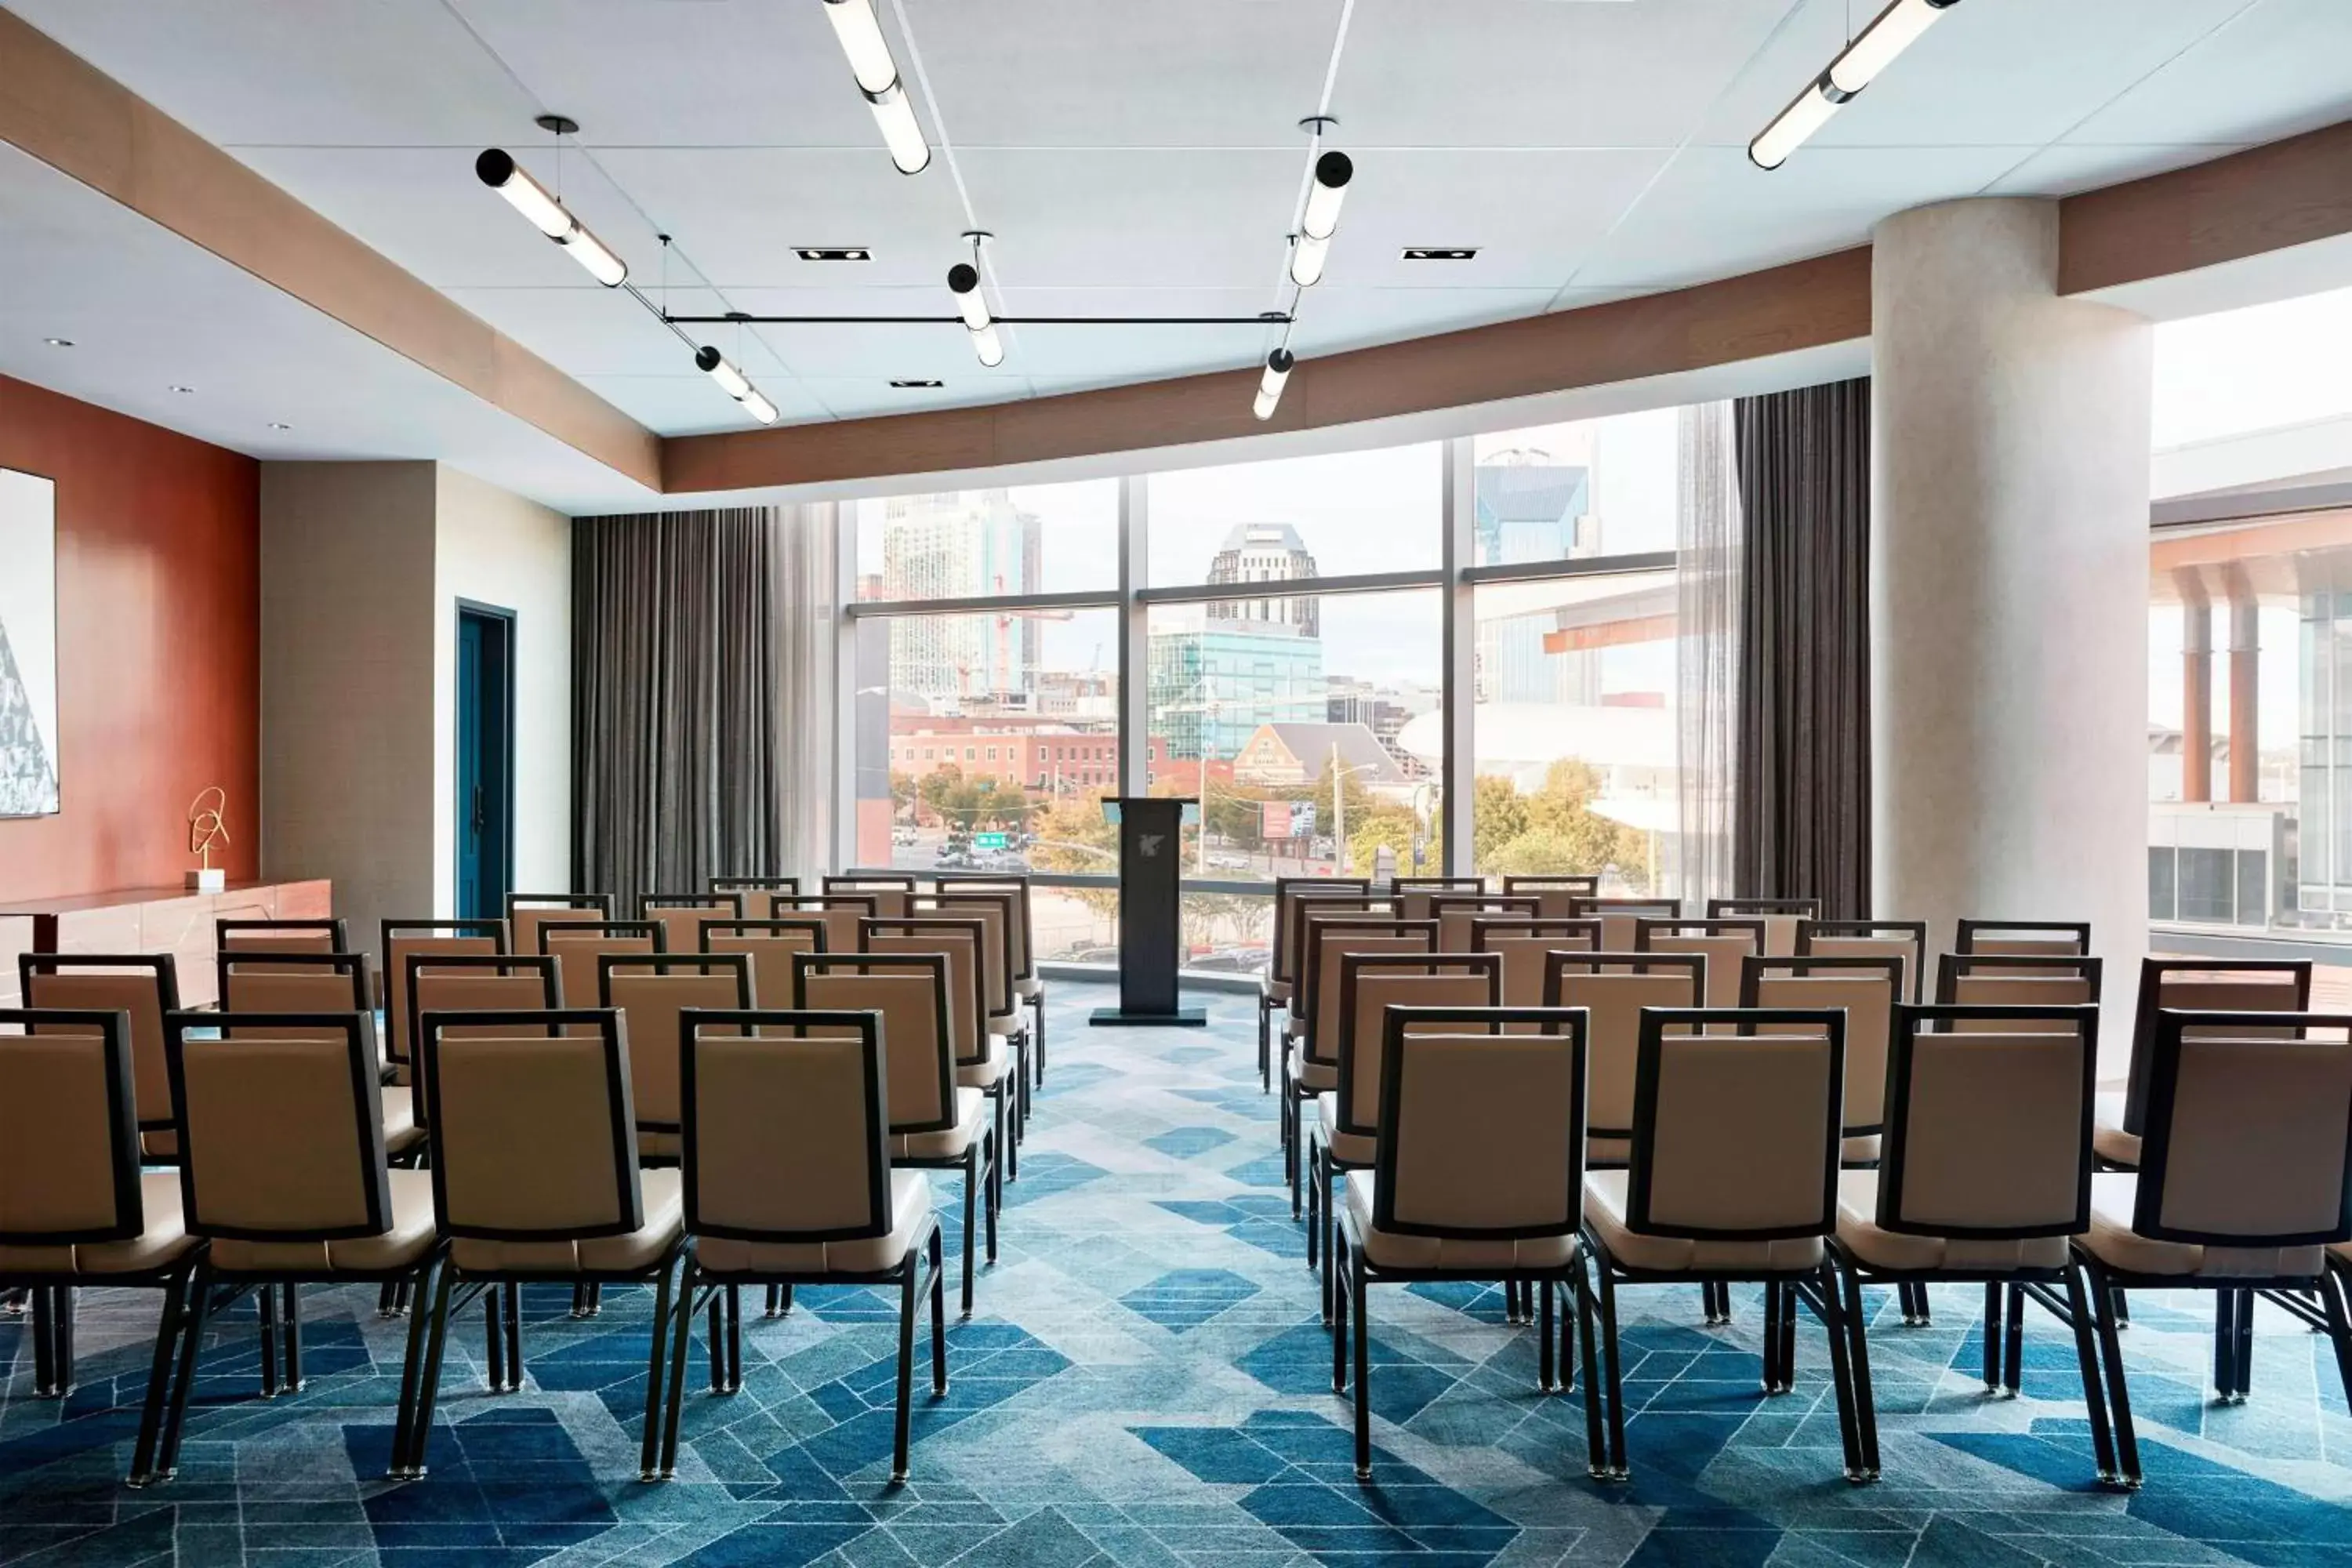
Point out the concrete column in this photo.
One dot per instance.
(2245, 695)
(2009, 585)
(2197, 692)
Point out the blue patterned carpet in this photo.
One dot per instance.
(1144, 1383)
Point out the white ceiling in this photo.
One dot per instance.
(1140, 157)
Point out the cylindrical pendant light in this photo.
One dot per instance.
(1332, 172)
(964, 282)
(496, 168)
(734, 382)
(870, 61)
(1891, 32)
(1270, 384)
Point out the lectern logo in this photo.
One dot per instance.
(1147, 845)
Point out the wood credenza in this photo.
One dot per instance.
(150, 920)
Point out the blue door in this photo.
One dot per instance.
(485, 802)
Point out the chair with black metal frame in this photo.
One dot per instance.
(892, 891)
(1413, 894)
(1869, 988)
(2182, 985)
(789, 1182)
(1347, 1118)
(1454, 912)
(144, 987)
(1780, 916)
(545, 1093)
(1617, 917)
(579, 946)
(1733, 1177)
(284, 1179)
(1727, 945)
(529, 914)
(328, 934)
(936, 1124)
(323, 983)
(1479, 1175)
(983, 1062)
(1310, 1066)
(841, 913)
(2244, 1185)
(2017, 980)
(1027, 984)
(771, 944)
(75, 1207)
(1279, 988)
(997, 911)
(650, 991)
(396, 940)
(1559, 892)
(1987, 1175)
(682, 915)
(1523, 942)
(1905, 939)
(757, 894)
(2022, 939)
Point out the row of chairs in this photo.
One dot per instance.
(789, 1172)
(1481, 1170)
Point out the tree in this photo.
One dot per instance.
(1072, 836)
(1392, 827)
(1358, 798)
(1498, 816)
(1556, 830)
(902, 793)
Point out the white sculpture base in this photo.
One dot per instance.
(212, 880)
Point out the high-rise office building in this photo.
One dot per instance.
(963, 543)
(1265, 553)
(1530, 507)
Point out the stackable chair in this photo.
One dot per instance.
(650, 991)
(772, 944)
(529, 914)
(999, 913)
(1986, 1176)
(400, 939)
(74, 1208)
(1310, 1066)
(1280, 986)
(1727, 944)
(982, 1061)
(757, 894)
(2022, 939)
(1557, 893)
(1479, 1175)
(1733, 1176)
(682, 915)
(841, 913)
(1027, 984)
(578, 947)
(1347, 1127)
(143, 987)
(2017, 980)
(1412, 894)
(893, 892)
(1780, 918)
(322, 982)
(790, 1182)
(1617, 917)
(326, 934)
(1905, 939)
(2244, 1185)
(2190, 984)
(284, 1183)
(936, 1124)
(536, 1179)
(1524, 944)
(1455, 912)
(1869, 989)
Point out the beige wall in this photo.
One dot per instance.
(363, 565)
(347, 699)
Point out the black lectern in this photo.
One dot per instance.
(1150, 917)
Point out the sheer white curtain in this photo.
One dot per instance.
(806, 585)
(1709, 556)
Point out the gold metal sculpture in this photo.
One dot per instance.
(207, 827)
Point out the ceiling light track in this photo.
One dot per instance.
(871, 62)
(1891, 32)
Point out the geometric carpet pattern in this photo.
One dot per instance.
(1144, 1383)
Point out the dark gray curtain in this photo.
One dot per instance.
(674, 685)
(1802, 807)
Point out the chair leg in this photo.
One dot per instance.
(2225, 1343)
(649, 1452)
(2122, 1311)
(496, 1359)
(45, 1374)
(2086, 1360)
(159, 1380)
(1544, 1369)
(1771, 1336)
(61, 1353)
(1596, 1442)
(412, 1368)
(682, 1331)
(2331, 1293)
(2111, 1352)
(734, 1339)
(1313, 1209)
(514, 1336)
(1039, 1006)
(905, 1416)
(387, 1301)
(1363, 1347)
(1613, 1368)
(167, 1457)
(2244, 1361)
(1825, 1286)
(265, 1299)
(1866, 1399)
(1992, 1306)
(992, 1197)
(2013, 1372)
(1788, 1335)
(1264, 1045)
(1007, 1150)
(939, 1320)
(428, 1387)
(715, 1331)
(290, 1312)
(774, 1308)
(1338, 1328)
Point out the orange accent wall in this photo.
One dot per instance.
(159, 647)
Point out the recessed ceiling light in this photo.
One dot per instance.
(58, 343)
(1440, 252)
(915, 381)
(183, 389)
(274, 425)
(832, 253)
